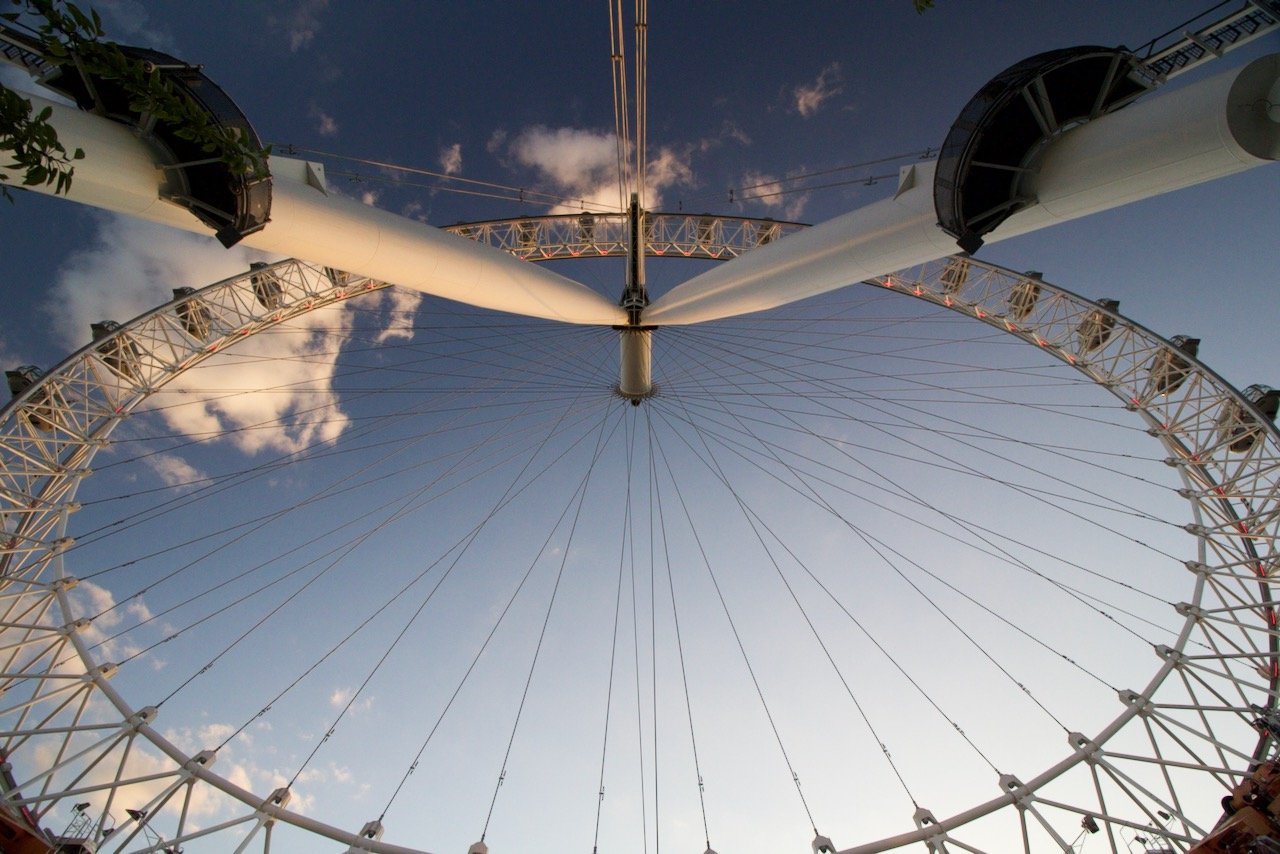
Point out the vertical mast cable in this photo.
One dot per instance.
(621, 128)
(642, 97)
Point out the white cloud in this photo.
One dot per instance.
(340, 697)
(667, 169)
(326, 125)
(300, 22)
(369, 197)
(97, 603)
(730, 130)
(138, 610)
(131, 268)
(582, 166)
(809, 97)
(451, 159)
(766, 190)
(173, 469)
(497, 139)
(578, 162)
(414, 210)
(271, 392)
(401, 304)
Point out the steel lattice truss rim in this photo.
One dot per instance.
(49, 434)
(608, 235)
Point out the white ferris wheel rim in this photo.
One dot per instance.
(1188, 417)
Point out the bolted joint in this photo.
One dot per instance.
(372, 830)
(1197, 567)
(1186, 609)
(143, 717)
(1084, 746)
(76, 627)
(279, 798)
(1137, 701)
(203, 759)
(1011, 785)
(102, 671)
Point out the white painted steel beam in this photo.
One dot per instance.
(120, 173)
(1209, 130)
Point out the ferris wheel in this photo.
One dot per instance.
(729, 491)
(1202, 722)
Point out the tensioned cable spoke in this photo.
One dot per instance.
(988, 548)
(259, 471)
(403, 510)
(629, 439)
(511, 493)
(684, 674)
(340, 551)
(706, 562)
(842, 445)
(947, 462)
(919, 689)
(577, 499)
(814, 496)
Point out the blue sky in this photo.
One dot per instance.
(518, 94)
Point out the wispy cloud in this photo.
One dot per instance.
(769, 192)
(576, 162)
(172, 469)
(451, 159)
(582, 166)
(808, 98)
(400, 305)
(340, 697)
(271, 392)
(326, 125)
(299, 21)
(496, 140)
(129, 22)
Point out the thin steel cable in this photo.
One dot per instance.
(892, 660)
(459, 549)
(628, 438)
(580, 497)
(621, 110)
(522, 193)
(642, 99)
(917, 154)
(498, 622)
(724, 605)
(684, 679)
(875, 404)
(654, 505)
(635, 639)
(971, 527)
(752, 517)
